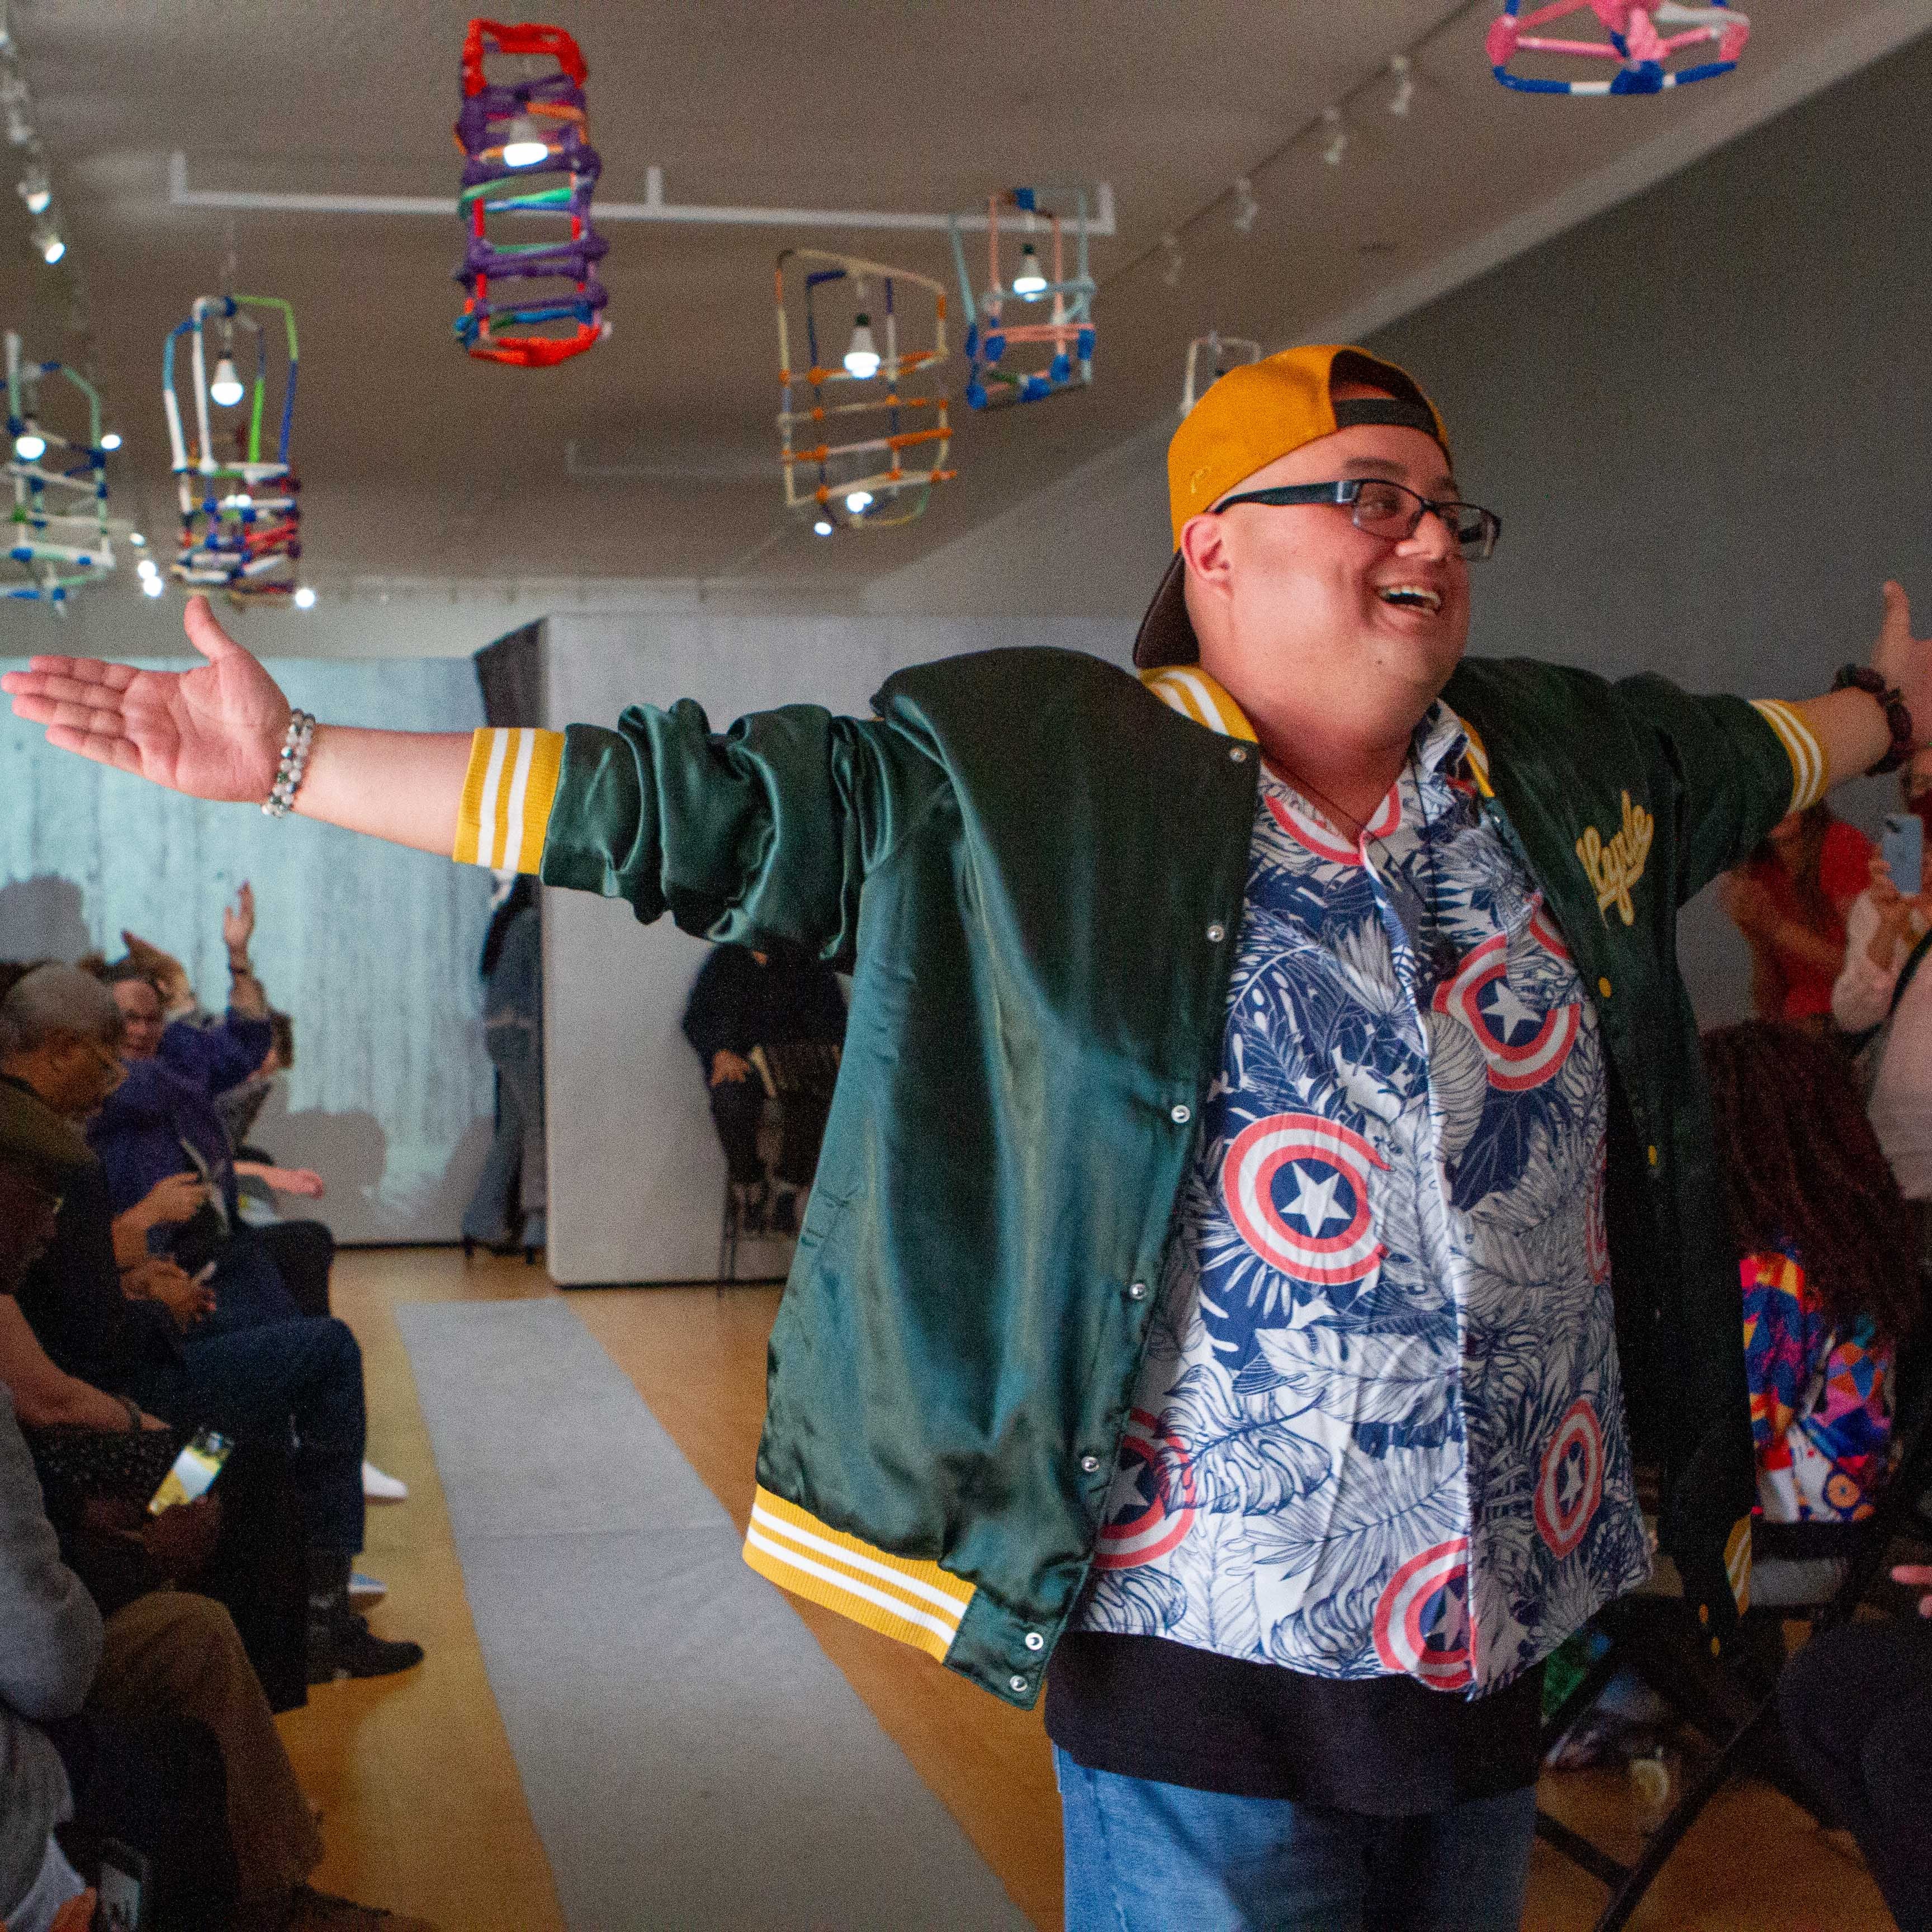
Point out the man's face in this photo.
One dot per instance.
(1294, 603)
(27, 1210)
(141, 1009)
(75, 1074)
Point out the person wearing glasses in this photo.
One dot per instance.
(1255, 1074)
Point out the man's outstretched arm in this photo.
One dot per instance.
(216, 732)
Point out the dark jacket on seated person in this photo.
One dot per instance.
(737, 1004)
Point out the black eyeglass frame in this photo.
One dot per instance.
(1348, 490)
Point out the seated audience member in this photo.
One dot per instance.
(741, 1002)
(174, 1750)
(1790, 901)
(58, 1030)
(1829, 1273)
(507, 1210)
(1857, 1706)
(1875, 1002)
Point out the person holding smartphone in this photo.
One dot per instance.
(1883, 985)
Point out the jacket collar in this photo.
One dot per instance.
(1189, 690)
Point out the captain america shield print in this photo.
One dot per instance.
(1378, 1428)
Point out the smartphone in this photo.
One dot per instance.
(195, 1468)
(1903, 848)
(125, 1890)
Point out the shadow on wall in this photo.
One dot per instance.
(40, 918)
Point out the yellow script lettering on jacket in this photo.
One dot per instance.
(1614, 866)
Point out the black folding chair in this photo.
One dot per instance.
(1734, 1704)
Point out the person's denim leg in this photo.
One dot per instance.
(248, 1289)
(254, 1381)
(1147, 1857)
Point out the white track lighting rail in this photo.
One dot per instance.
(652, 207)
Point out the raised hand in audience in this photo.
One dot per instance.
(185, 1296)
(168, 975)
(238, 921)
(1918, 1576)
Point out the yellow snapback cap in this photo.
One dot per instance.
(1254, 414)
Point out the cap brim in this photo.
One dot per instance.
(1166, 635)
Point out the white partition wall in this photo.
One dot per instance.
(636, 1177)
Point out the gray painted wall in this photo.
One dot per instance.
(1705, 416)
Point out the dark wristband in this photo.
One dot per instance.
(1898, 718)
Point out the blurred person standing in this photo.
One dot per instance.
(1789, 899)
(1883, 998)
(508, 1208)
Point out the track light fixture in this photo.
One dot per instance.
(1247, 208)
(1402, 70)
(1170, 245)
(1337, 130)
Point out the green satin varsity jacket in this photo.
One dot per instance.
(1033, 866)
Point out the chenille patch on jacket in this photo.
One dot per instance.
(507, 795)
(1810, 772)
(901, 1597)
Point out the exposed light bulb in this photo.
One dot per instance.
(1028, 281)
(523, 143)
(1402, 68)
(111, 440)
(30, 445)
(1176, 260)
(1338, 136)
(862, 353)
(36, 190)
(304, 598)
(147, 568)
(152, 586)
(135, 538)
(858, 501)
(226, 390)
(47, 240)
(1245, 206)
(822, 528)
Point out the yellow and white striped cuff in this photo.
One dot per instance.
(507, 796)
(1811, 773)
(1189, 690)
(901, 1597)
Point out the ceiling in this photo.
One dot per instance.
(420, 463)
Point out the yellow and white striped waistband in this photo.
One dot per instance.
(507, 796)
(901, 1597)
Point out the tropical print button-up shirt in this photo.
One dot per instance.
(1378, 1428)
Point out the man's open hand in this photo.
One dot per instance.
(1904, 660)
(214, 732)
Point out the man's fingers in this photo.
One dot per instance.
(84, 671)
(203, 632)
(1897, 608)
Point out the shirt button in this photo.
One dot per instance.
(1137, 1290)
(1237, 754)
(1180, 1113)
(1603, 987)
(1217, 933)
(1016, 1682)
(1090, 1463)
(1034, 1641)
(1652, 1152)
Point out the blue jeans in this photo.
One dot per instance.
(253, 1381)
(248, 1288)
(1145, 1857)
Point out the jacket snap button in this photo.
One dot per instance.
(1217, 933)
(1034, 1641)
(1237, 754)
(1180, 1113)
(1603, 987)
(1016, 1682)
(1652, 1152)
(1090, 1463)
(1137, 1290)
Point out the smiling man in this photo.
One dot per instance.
(1268, 1152)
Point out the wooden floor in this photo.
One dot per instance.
(423, 1810)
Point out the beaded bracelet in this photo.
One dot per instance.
(1898, 718)
(292, 764)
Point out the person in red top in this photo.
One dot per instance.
(1790, 901)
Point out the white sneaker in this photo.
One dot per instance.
(379, 1488)
(366, 1589)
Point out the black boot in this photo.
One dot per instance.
(341, 1643)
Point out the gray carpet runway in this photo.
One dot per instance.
(691, 1758)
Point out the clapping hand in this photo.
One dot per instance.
(214, 732)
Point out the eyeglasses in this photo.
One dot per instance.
(1388, 510)
(110, 1062)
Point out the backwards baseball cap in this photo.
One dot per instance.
(35, 1141)
(1252, 415)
